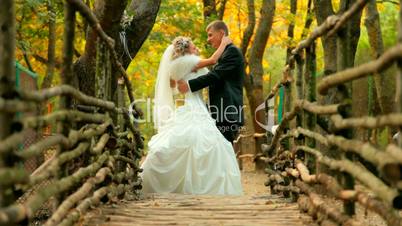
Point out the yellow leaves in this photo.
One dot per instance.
(247, 70)
(136, 76)
(380, 7)
(336, 4)
(148, 83)
(266, 77)
(236, 17)
(265, 63)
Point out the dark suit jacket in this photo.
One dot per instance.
(225, 82)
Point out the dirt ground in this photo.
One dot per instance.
(253, 182)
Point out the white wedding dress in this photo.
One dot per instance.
(188, 154)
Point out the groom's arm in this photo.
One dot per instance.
(225, 68)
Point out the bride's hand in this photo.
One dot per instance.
(226, 41)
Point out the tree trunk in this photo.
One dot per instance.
(253, 83)
(7, 84)
(7, 68)
(289, 92)
(289, 87)
(109, 14)
(86, 24)
(68, 47)
(399, 78)
(344, 51)
(51, 57)
(310, 120)
(293, 9)
(348, 38)
(244, 46)
(309, 20)
(221, 10)
(324, 9)
(383, 86)
(210, 12)
(248, 33)
(145, 13)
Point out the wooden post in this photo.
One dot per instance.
(288, 86)
(7, 84)
(66, 78)
(108, 75)
(344, 94)
(103, 74)
(67, 70)
(399, 77)
(100, 78)
(68, 45)
(299, 96)
(68, 50)
(287, 107)
(310, 119)
(120, 121)
(120, 103)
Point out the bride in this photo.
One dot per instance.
(188, 155)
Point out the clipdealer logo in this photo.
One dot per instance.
(220, 115)
(261, 124)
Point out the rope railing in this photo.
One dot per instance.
(288, 152)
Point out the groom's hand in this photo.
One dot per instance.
(172, 83)
(182, 86)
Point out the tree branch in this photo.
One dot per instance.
(81, 193)
(387, 194)
(379, 65)
(367, 122)
(17, 212)
(357, 6)
(248, 33)
(321, 206)
(332, 186)
(65, 90)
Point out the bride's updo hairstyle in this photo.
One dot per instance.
(181, 46)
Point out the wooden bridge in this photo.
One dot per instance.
(93, 158)
(200, 210)
(177, 209)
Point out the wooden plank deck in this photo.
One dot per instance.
(178, 209)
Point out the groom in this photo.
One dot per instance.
(225, 82)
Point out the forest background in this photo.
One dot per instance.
(39, 21)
